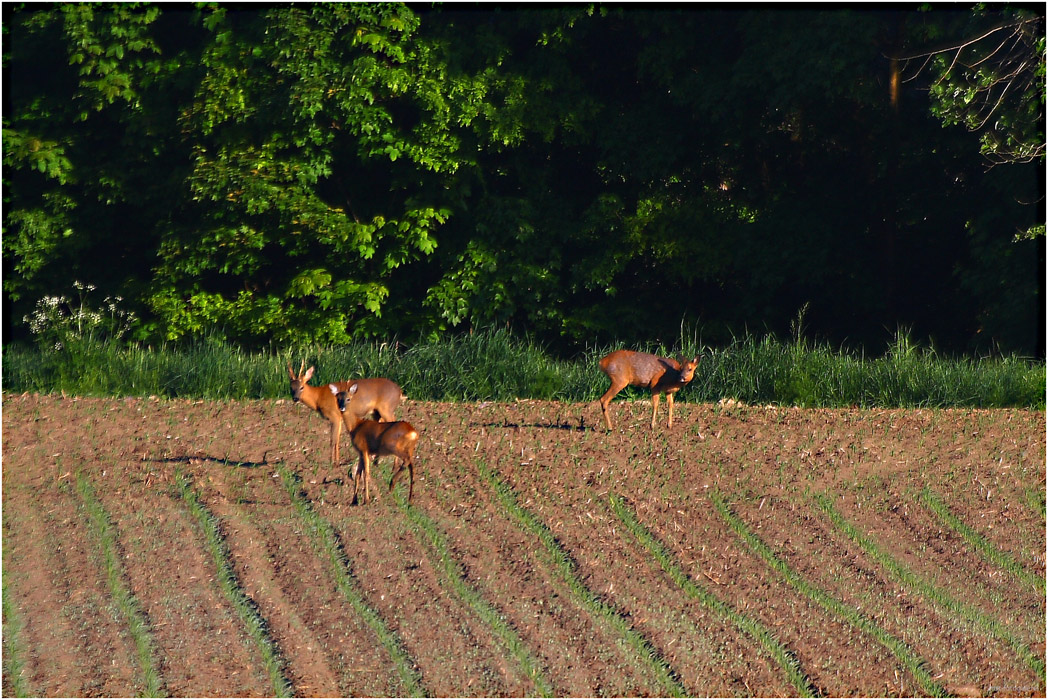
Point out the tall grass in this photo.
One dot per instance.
(495, 365)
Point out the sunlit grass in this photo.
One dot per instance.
(495, 365)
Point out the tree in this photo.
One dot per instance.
(993, 82)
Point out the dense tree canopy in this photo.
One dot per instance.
(323, 172)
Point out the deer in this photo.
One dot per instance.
(374, 439)
(378, 395)
(662, 375)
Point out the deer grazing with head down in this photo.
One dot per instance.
(662, 375)
(373, 439)
(374, 395)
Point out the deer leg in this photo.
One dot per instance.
(336, 434)
(411, 479)
(367, 478)
(654, 407)
(357, 471)
(397, 470)
(605, 401)
(669, 402)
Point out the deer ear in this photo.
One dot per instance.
(308, 374)
(334, 389)
(353, 389)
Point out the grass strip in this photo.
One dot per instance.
(936, 595)
(438, 546)
(14, 650)
(497, 365)
(979, 543)
(786, 659)
(566, 567)
(909, 660)
(245, 607)
(127, 604)
(326, 541)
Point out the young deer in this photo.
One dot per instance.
(380, 395)
(373, 439)
(661, 375)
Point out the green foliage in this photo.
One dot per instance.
(993, 82)
(322, 174)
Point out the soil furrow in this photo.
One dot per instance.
(988, 467)
(77, 642)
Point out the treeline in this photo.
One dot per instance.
(291, 174)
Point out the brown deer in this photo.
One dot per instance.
(379, 395)
(373, 439)
(662, 375)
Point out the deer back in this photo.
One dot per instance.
(635, 368)
(362, 396)
(397, 439)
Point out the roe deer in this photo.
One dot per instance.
(381, 396)
(323, 401)
(662, 375)
(373, 439)
(378, 395)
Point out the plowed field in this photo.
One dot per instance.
(747, 551)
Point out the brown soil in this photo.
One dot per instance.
(768, 463)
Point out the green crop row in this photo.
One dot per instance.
(929, 591)
(245, 607)
(126, 603)
(914, 664)
(568, 570)
(438, 548)
(326, 542)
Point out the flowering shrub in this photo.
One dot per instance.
(58, 321)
